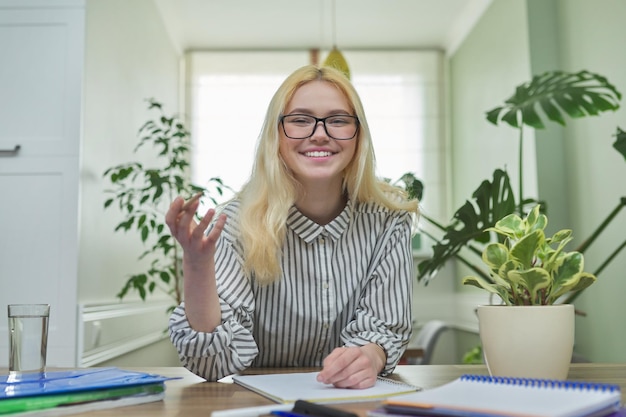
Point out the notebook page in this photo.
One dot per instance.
(289, 387)
(571, 400)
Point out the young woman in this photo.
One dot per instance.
(310, 265)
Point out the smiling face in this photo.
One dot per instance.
(319, 159)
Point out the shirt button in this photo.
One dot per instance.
(321, 240)
(325, 285)
(325, 325)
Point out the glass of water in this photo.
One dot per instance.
(28, 337)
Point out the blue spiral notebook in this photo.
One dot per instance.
(485, 396)
(67, 392)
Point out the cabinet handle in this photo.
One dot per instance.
(10, 152)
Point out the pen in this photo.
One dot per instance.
(252, 411)
(287, 414)
(313, 409)
(191, 201)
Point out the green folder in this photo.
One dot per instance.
(39, 402)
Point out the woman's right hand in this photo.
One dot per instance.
(198, 247)
(201, 301)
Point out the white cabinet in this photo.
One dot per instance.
(41, 54)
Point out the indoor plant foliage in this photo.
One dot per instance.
(529, 268)
(550, 97)
(144, 193)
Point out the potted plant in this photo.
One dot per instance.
(526, 267)
(549, 97)
(531, 334)
(143, 193)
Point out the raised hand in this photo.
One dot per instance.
(201, 300)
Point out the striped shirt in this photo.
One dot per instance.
(347, 283)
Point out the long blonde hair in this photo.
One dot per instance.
(272, 190)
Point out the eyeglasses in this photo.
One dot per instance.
(302, 126)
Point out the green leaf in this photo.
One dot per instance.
(495, 255)
(557, 92)
(534, 280)
(531, 117)
(493, 115)
(491, 202)
(571, 264)
(126, 225)
(620, 142)
(511, 226)
(486, 285)
(552, 111)
(525, 249)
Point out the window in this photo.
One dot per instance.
(400, 90)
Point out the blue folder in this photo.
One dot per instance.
(58, 382)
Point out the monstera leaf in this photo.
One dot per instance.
(557, 93)
(490, 202)
(620, 142)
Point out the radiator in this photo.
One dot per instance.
(106, 331)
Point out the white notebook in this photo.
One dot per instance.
(477, 395)
(289, 387)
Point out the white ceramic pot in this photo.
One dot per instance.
(527, 341)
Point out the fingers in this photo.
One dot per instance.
(217, 228)
(180, 218)
(172, 213)
(348, 367)
(198, 231)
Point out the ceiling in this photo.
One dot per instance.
(285, 24)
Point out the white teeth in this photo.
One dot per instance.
(317, 154)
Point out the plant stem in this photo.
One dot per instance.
(521, 167)
(467, 263)
(610, 258)
(434, 223)
(583, 247)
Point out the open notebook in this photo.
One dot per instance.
(477, 395)
(289, 387)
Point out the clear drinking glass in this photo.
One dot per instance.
(28, 337)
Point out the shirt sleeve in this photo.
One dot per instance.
(384, 312)
(230, 348)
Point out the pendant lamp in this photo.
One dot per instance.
(335, 58)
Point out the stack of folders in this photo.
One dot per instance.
(68, 392)
(484, 396)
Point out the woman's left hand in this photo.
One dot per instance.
(353, 367)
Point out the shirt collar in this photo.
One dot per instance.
(308, 230)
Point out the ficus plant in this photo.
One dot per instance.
(143, 194)
(553, 96)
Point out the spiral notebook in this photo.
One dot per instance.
(485, 396)
(289, 387)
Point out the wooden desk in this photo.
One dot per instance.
(192, 396)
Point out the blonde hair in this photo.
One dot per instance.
(272, 190)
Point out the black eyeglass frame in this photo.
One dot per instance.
(323, 120)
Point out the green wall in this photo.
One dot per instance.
(592, 37)
(574, 168)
